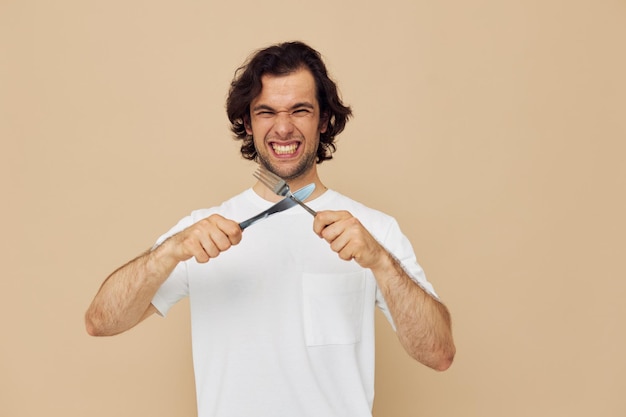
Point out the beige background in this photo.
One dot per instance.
(500, 125)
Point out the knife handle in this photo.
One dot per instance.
(252, 220)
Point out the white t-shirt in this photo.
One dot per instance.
(281, 326)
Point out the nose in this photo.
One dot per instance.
(283, 127)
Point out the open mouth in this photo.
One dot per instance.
(288, 149)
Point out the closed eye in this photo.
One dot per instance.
(302, 112)
(298, 110)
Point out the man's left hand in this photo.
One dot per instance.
(348, 238)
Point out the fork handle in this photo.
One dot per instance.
(304, 206)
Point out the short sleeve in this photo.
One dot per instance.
(176, 286)
(399, 246)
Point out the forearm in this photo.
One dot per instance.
(126, 294)
(422, 323)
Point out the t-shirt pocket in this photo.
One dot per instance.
(333, 308)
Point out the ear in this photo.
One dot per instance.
(324, 119)
(247, 124)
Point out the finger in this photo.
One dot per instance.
(229, 228)
(341, 245)
(347, 240)
(347, 253)
(198, 240)
(208, 245)
(232, 231)
(331, 232)
(220, 240)
(325, 218)
(194, 248)
(345, 225)
(350, 240)
(320, 221)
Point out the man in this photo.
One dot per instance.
(283, 312)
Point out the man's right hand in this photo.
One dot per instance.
(205, 239)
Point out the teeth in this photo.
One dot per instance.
(284, 149)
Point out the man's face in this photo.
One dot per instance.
(285, 123)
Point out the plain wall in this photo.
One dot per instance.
(494, 132)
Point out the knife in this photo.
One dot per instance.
(284, 204)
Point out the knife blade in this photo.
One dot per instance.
(284, 204)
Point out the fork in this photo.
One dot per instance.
(279, 186)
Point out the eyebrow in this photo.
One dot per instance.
(304, 104)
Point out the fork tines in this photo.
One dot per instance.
(278, 186)
(272, 181)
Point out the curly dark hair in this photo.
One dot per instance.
(284, 59)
